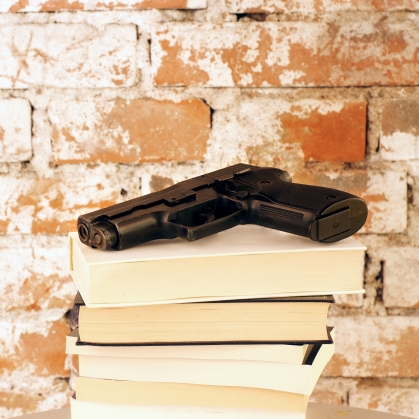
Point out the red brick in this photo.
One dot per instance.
(15, 403)
(73, 5)
(304, 6)
(46, 353)
(285, 133)
(375, 347)
(31, 205)
(372, 52)
(42, 354)
(129, 131)
(328, 136)
(67, 56)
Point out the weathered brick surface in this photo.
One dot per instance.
(387, 396)
(399, 396)
(33, 352)
(349, 300)
(286, 54)
(33, 368)
(59, 5)
(32, 205)
(307, 130)
(401, 279)
(67, 55)
(399, 138)
(54, 395)
(384, 192)
(332, 391)
(129, 131)
(316, 6)
(41, 282)
(375, 347)
(15, 130)
(102, 101)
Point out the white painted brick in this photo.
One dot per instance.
(15, 130)
(59, 5)
(253, 54)
(30, 204)
(67, 55)
(42, 280)
(401, 276)
(399, 146)
(386, 196)
(313, 6)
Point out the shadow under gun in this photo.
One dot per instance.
(216, 201)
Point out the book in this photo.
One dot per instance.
(285, 353)
(295, 378)
(225, 266)
(179, 394)
(289, 319)
(102, 410)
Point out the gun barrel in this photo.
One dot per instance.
(101, 236)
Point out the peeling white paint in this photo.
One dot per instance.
(289, 77)
(370, 346)
(68, 55)
(387, 196)
(312, 6)
(399, 146)
(15, 130)
(38, 5)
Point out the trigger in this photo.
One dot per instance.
(204, 217)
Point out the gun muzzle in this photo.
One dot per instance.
(100, 236)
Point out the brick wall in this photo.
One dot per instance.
(101, 101)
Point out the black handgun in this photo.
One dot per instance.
(208, 204)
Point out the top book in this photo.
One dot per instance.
(245, 262)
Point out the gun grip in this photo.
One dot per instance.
(322, 214)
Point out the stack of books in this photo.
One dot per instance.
(234, 325)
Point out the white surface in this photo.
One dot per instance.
(314, 411)
(244, 239)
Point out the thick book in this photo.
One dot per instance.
(289, 319)
(232, 373)
(285, 353)
(193, 395)
(247, 261)
(103, 410)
